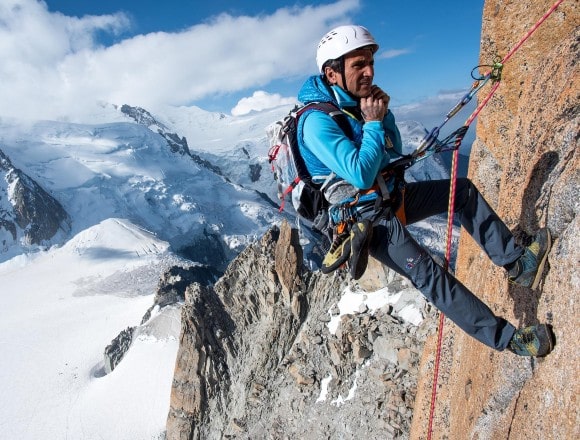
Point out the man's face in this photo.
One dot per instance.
(358, 71)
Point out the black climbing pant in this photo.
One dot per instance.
(393, 246)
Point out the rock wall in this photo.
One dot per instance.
(526, 162)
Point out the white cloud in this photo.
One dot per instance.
(260, 100)
(392, 53)
(54, 67)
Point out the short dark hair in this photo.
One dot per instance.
(335, 65)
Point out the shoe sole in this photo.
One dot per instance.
(359, 265)
(549, 336)
(542, 263)
(345, 247)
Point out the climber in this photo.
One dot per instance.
(345, 59)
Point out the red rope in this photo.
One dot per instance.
(452, 188)
(451, 212)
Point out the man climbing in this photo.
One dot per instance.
(376, 204)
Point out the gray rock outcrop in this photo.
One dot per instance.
(257, 359)
(28, 214)
(115, 351)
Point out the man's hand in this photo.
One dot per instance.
(374, 107)
(378, 93)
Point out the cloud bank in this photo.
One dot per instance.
(261, 100)
(53, 65)
(392, 53)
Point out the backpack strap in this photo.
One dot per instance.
(341, 120)
(337, 114)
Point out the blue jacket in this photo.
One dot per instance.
(326, 148)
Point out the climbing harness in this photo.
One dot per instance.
(494, 75)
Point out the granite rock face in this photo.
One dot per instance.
(526, 163)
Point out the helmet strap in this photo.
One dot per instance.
(343, 75)
(342, 70)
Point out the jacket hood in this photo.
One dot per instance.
(315, 89)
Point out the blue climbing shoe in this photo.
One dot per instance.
(536, 340)
(527, 270)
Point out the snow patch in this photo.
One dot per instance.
(407, 304)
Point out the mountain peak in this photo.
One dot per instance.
(29, 216)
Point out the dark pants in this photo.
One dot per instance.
(393, 246)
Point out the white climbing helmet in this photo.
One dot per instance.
(342, 40)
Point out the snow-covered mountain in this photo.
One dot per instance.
(138, 172)
(119, 200)
(28, 214)
(60, 309)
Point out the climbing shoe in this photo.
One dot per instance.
(360, 238)
(338, 254)
(527, 270)
(536, 340)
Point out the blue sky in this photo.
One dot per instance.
(217, 54)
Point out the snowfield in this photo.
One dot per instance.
(61, 308)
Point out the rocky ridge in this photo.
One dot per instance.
(257, 359)
(175, 143)
(28, 214)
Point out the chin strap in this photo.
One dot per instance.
(342, 70)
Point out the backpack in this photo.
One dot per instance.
(289, 167)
